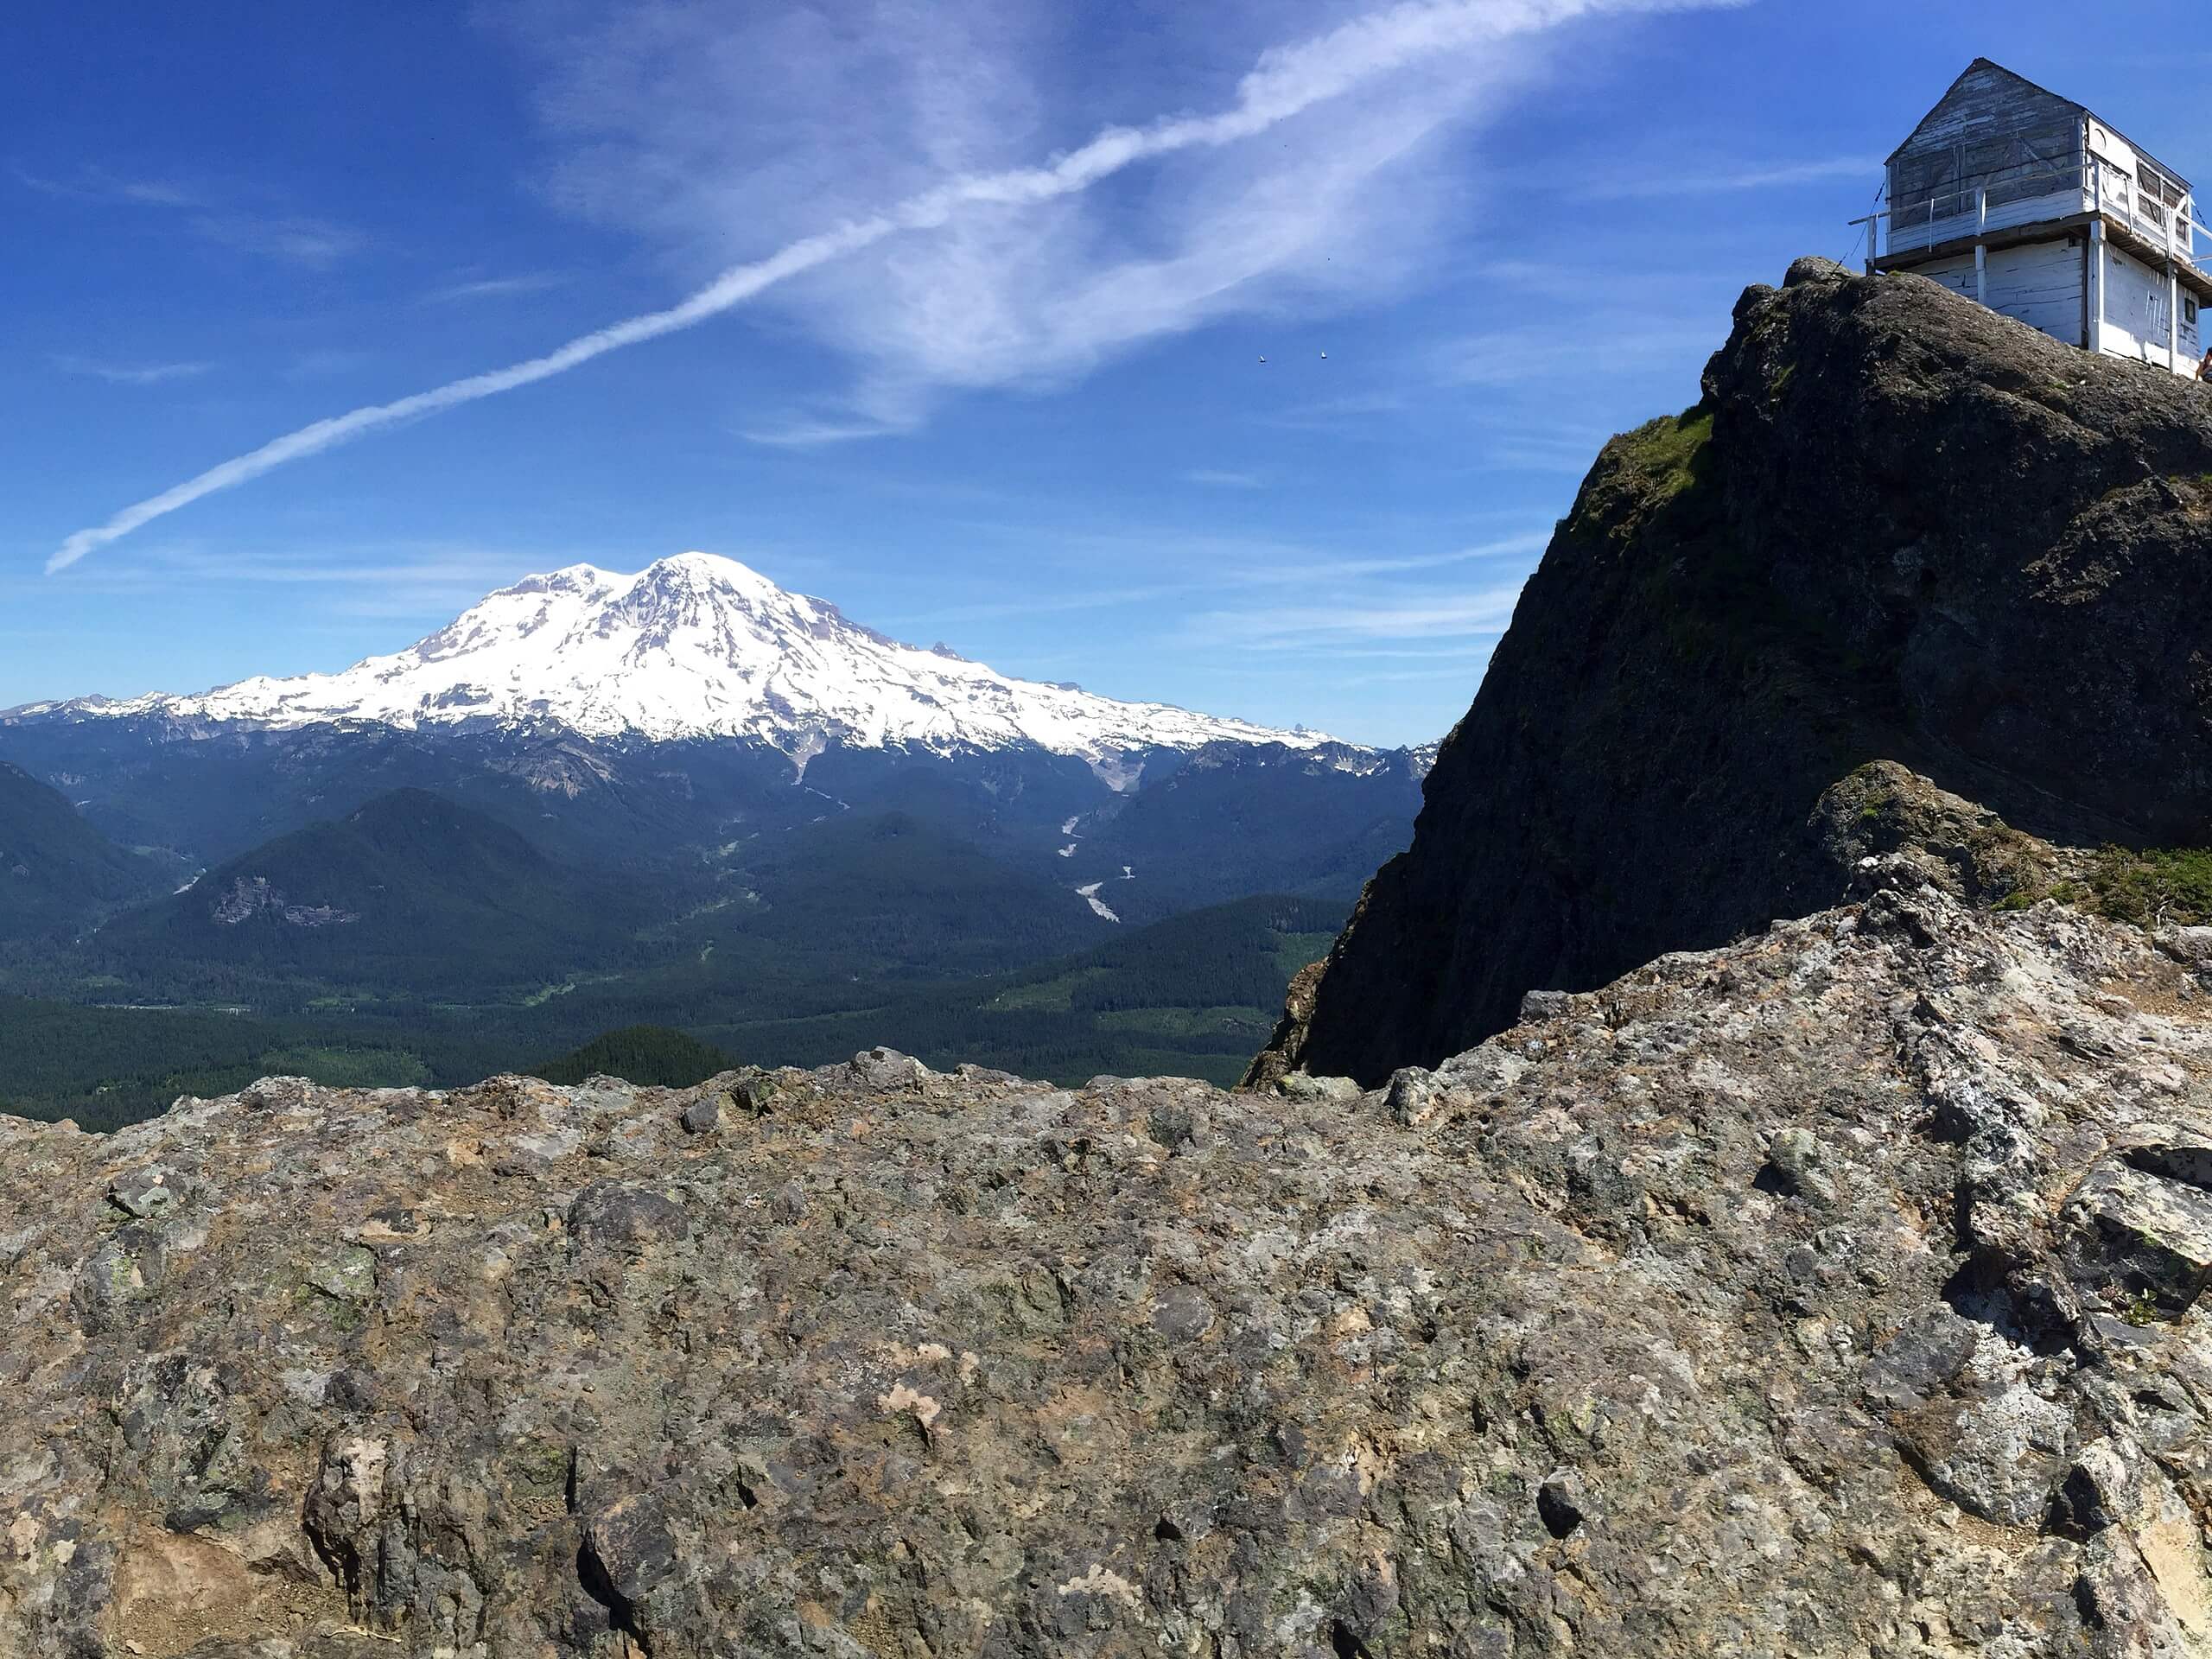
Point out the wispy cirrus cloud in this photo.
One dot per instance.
(1342, 569)
(679, 136)
(1362, 413)
(1566, 450)
(1607, 347)
(1466, 670)
(802, 432)
(324, 362)
(1234, 565)
(1696, 178)
(1455, 615)
(128, 374)
(936, 256)
(297, 238)
(1215, 478)
(494, 288)
(88, 182)
(403, 579)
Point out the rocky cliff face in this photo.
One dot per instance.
(1838, 1292)
(1898, 528)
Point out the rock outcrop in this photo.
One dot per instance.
(1837, 1291)
(1898, 528)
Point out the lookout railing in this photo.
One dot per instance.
(2027, 194)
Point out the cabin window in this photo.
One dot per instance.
(2028, 166)
(2188, 312)
(1924, 187)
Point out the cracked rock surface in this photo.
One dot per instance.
(1837, 1291)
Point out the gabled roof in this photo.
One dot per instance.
(2060, 97)
(1977, 64)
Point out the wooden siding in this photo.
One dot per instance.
(2038, 283)
(1992, 131)
(2136, 300)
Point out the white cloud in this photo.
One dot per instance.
(1700, 178)
(996, 274)
(97, 184)
(802, 432)
(411, 580)
(680, 137)
(320, 361)
(1606, 347)
(1229, 564)
(494, 288)
(433, 564)
(1467, 669)
(1344, 569)
(294, 236)
(1366, 415)
(129, 374)
(1447, 615)
(1213, 478)
(298, 237)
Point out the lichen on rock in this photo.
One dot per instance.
(1838, 1291)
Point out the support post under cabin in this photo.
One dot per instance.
(2096, 285)
(2173, 295)
(1981, 247)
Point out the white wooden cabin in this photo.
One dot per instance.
(2041, 210)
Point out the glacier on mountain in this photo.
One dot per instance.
(699, 646)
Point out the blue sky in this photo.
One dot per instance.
(1022, 411)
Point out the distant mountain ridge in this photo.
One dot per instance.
(696, 646)
(683, 797)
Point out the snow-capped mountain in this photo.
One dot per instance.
(697, 645)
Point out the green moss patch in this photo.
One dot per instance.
(2155, 885)
(1669, 454)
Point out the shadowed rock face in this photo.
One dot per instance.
(1898, 527)
(1836, 1292)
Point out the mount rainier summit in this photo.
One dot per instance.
(696, 646)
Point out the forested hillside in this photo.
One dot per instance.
(1194, 995)
(649, 1056)
(56, 870)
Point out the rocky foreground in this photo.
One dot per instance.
(1836, 1292)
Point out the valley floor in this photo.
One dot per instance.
(1194, 995)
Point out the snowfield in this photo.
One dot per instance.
(696, 646)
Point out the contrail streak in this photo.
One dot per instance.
(1285, 82)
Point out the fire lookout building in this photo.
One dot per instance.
(2039, 209)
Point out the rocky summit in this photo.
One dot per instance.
(1834, 1292)
(1896, 528)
